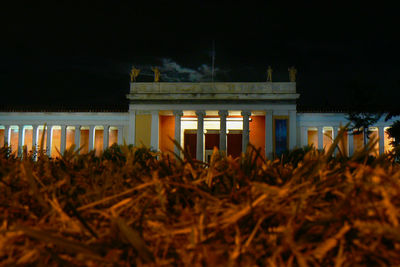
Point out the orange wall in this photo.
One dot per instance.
(70, 138)
(358, 141)
(343, 144)
(39, 135)
(327, 139)
(56, 143)
(98, 141)
(166, 131)
(28, 139)
(84, 141)
(2, 137)
(312, 138)
(373, 136)
(257, 132)
(14, 141)
(112, 137)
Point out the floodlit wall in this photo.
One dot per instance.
(257, 132)
(319, 128)
(64, 129)
(20, 129)
(166, 131)
(143, 129)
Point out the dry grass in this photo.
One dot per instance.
(134, 207)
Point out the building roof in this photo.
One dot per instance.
(123, 107)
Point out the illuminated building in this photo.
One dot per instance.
(200, 116)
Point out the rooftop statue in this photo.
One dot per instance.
(292, 73)
(156, 74)
(269, 74)
(134, 73)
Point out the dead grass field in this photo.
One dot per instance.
(134, 207)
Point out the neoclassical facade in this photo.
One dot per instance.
(199, 116)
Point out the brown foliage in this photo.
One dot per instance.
(135, 207)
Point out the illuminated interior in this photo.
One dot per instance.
(14, 139)
(358, 141)
(344, 144)
(98, 139)
(2, 136)
(374, 135)
(312, 137)
(27, 138)
(70, 137)
(327, 137)
(234, 127)
(40, 136)
(112, 136)
(55, 142)
(387, 141)
(84, 140)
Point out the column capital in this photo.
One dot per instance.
(269, 112)
(246, 113)
(223, 113)
(200, 113)
(155, 112)
(178, 113)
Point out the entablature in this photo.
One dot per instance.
(213, 91)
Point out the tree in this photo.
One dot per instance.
(363, 101)
(361, 121)
(394, 132)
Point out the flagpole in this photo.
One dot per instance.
(213, 61)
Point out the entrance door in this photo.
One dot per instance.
(190, 142)
(234, 146)
(211, 141)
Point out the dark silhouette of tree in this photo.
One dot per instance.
(361, 121)
(364, 110)
(394, 132)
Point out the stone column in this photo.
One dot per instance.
(292, 129)
(63, 143)
(320, 137)
(177, 136)
(132, 127)
(351, 143)
(91, 137)
(106, 136)
(154, 129)
(6, 135)
(20, 139)
(48, 139)
(200, 135)
(381, 133)
(120, 135)
(222, 132)
(34, 137)
(77, 136)
(246, 131)
(269, 149)
(335, 135)
(304, 136)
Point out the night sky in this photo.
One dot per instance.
(77, 53)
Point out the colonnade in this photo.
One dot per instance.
(223, 114)
(383, 142)
(63, 135)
